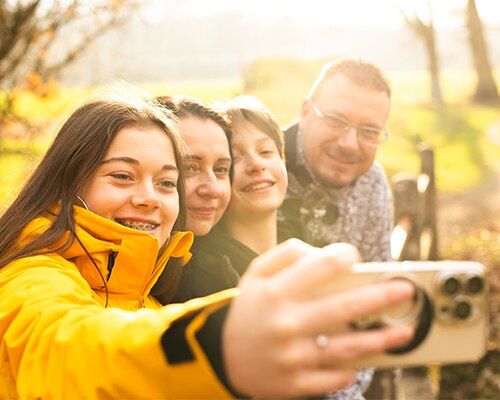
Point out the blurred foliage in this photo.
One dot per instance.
(38, 39)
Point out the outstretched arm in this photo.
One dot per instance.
(279, 339)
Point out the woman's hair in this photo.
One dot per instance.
(76, 152)
(242, 110)
(186, 106)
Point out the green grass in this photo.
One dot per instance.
(463, 153)
(458, 130)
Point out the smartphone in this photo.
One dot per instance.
(449, 311)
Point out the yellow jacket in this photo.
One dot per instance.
(59, 341)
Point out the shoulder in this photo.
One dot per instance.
(52, 273)
(288, 229)
(291, 128)
(373, 180)
(207, 253)
(290, 136)
(50, 262)
(376, 173)
(212, 251)
(371, 191)
(210, 269)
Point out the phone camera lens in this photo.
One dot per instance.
(474, 285)
(450, 286)
(463, 309)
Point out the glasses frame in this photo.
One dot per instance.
(347, 124)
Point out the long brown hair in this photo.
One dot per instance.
(74, 155)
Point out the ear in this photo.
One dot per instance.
(304, 111)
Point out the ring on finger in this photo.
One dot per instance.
(322, 341)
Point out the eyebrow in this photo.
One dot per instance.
(335, 114)
(198, 158)
(263, 140)
(129, 160)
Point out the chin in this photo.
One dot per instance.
(201, 231)
(337, 183)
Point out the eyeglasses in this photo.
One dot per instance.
(367, 135)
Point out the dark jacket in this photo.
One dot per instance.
(217, 263)
(298, 208)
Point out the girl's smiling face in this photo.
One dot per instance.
(136, 183)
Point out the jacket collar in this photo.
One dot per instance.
(131, 255)
(293, 163)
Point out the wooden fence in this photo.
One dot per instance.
(415, 235)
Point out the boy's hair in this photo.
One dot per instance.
(245, 109)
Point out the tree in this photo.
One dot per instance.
(486, 88)
(38, 38)
(426, 32)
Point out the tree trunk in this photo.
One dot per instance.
(486, 89)
(426, 33)
(430, 45)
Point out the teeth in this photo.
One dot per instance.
(140, 226)
(259, 186)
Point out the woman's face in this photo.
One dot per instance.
(260, 179)
(207, 165)
(136, 183)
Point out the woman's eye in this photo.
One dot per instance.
(222, 170)
(122, 176)
(190, 168)
(168, 184)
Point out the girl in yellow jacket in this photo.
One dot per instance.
(83, 245)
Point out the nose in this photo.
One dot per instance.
(146, 196)
(349, 139)
(254, 164)
(210, 187)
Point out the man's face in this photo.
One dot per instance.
(338, 158)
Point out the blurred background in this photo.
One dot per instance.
(441, 56)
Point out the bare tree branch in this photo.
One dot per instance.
(30, 29)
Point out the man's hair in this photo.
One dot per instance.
(242, 110)
(359, 70)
